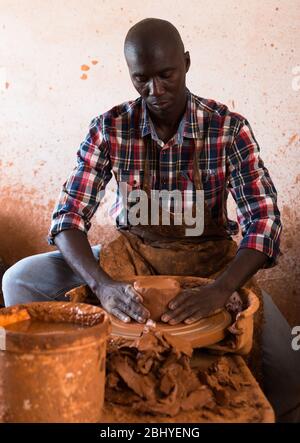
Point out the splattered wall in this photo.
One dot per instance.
(62, 64)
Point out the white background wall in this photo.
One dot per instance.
(243, 54)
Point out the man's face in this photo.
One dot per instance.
(159, 77)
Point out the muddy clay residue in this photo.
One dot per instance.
(78, 313)
(75, 314)
(292, 139)
(154, 376)
(42, 327)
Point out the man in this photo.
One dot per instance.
(168, 139)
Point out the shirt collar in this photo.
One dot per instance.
(189, 126)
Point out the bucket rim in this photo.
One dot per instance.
(94, 319)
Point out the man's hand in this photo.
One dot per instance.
(195, 303)
(118, 298)
(121, 300)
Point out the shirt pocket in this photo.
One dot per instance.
(207, 176)
(213, 179)
(133, 178)
(185, 180)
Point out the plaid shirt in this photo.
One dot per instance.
(229, 162)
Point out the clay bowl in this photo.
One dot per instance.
(157, 294)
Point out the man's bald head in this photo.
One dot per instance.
(149, 34)
(157, 66)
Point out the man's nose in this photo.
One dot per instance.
(156, 88)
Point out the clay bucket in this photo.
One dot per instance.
(57, 376)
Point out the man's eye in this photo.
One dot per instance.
(167, 74)
(140, 78)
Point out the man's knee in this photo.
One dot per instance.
(281, 365)
(19, 284)
(41, 277)
(11, 284)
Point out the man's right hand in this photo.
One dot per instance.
(121, 300)
(116, 297)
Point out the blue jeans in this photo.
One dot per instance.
(46, 277)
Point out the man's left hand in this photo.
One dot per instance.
(192, 304)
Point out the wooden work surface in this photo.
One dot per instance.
(247, 402)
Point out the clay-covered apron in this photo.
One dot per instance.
(165, 250)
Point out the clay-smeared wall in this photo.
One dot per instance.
(62, 63)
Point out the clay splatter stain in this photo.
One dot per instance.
(84, 77)
(94, 62)
(292, 139)
(85, 68)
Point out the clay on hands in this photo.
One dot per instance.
(157, 294)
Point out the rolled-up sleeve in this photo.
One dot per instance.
(82, 192)
(255, 195)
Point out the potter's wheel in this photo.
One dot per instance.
(204, 332)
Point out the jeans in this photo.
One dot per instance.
(47, 277)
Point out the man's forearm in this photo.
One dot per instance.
(76, 250)
(245, 264)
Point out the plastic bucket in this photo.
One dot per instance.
(53, 376)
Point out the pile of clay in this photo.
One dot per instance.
(153, 375)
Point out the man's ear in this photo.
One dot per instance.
(187, 61)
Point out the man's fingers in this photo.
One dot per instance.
(134, 310)
(195, 317)
(179, 314)
(120, 315)
(179, 299)
(203, 313)
(133, 294)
